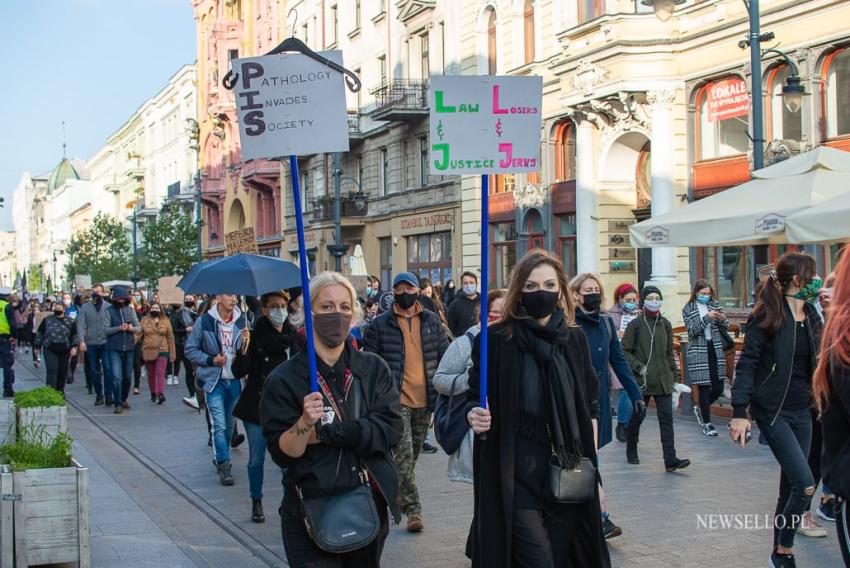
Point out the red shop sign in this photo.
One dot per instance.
(727, 99)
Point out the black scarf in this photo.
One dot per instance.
(271, 340)
(547, 345)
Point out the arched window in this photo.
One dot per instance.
(491, 41)
(722, 118)
(528, 26)
(590, 9)
(643, 178)
(782, 124)
(237, 216)
(836, 93)
(565, 151)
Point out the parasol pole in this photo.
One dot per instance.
(485, 265)
(305, 276)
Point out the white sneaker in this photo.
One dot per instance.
(809, 527)
(169, 380)
(191, 402)
(175, 380)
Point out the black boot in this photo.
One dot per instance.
(632, 454)
(237, 439)
(257, 515)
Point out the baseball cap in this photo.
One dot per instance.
(407, 277)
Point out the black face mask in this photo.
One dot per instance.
(332, 328)
(540, 303)
(190, 304)
(155, 314)
(591, 302)
(405, 301)
(59, 314)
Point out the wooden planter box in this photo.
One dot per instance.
(53, 418)
(7, 421)
(44, 517)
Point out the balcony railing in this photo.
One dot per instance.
(401, 99)
(324, 209)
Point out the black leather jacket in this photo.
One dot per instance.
(763, 372)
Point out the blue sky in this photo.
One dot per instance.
(91, 63)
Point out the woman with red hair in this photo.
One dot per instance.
(831, 387)
(624, 310)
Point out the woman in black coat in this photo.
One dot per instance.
(324, 453)
(538, 359)
(263, 349)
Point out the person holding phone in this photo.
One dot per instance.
(773, 379)
(705, 360)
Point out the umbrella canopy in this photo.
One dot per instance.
(754, 212)
(243, 274)
(358, 263)
(829, 221)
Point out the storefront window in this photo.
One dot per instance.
(837, 71)
(429, 256)
(503, 251)
(565, 151)
(386, 251)
(726, 268)
(722, 118)
(567, 243)
(783, 124)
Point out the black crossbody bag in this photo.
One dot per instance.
(348, 520)
(567, 485)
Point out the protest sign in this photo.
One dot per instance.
(241, 240)
(485, 125)
(289, 104)
(168, 291)
(82, 282)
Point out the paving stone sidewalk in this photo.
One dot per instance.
(141, 517)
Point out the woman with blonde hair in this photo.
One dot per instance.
(605, 353)
(337, 441)
(543, 399)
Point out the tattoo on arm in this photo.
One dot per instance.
(299, 430)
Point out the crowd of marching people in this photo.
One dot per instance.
(568, 373)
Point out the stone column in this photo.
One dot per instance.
(587, 232)
(661, 166)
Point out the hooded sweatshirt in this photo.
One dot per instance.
(227, 337)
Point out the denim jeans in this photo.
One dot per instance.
(256, 458)
(220, 403)
(120, 373)
(624, 407)
(789, 438)
(98, 364)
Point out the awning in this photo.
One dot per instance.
(829, 221)
(754, 212)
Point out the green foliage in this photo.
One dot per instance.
(170, 244)
(35, 280)
(42, 396)
(102, 251)
(36, 449)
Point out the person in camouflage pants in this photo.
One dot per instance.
(412, 341)
(406, 453)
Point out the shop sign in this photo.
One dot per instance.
(242, 240)
(310, 240)
(619, 225)
(485, 124)
(290, 104)
(727, 99)
(621, 267)
(770, 224)
(658, 236)
(431, 223)
(618, 239)
(622, 253)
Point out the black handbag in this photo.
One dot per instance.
(567, 485)
(348, 520)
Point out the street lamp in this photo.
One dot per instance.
(792, 91)
(663, 8)
(54, 268)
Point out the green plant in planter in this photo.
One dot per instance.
(36, 449)
(42, 396)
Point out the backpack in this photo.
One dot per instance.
(450, 426)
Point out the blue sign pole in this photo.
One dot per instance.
(485, 269)
(305, 275)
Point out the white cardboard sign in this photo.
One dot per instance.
(290, 104)
(485, 124)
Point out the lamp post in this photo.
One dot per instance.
(194, 144)
(338, 249)
(54, 268)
